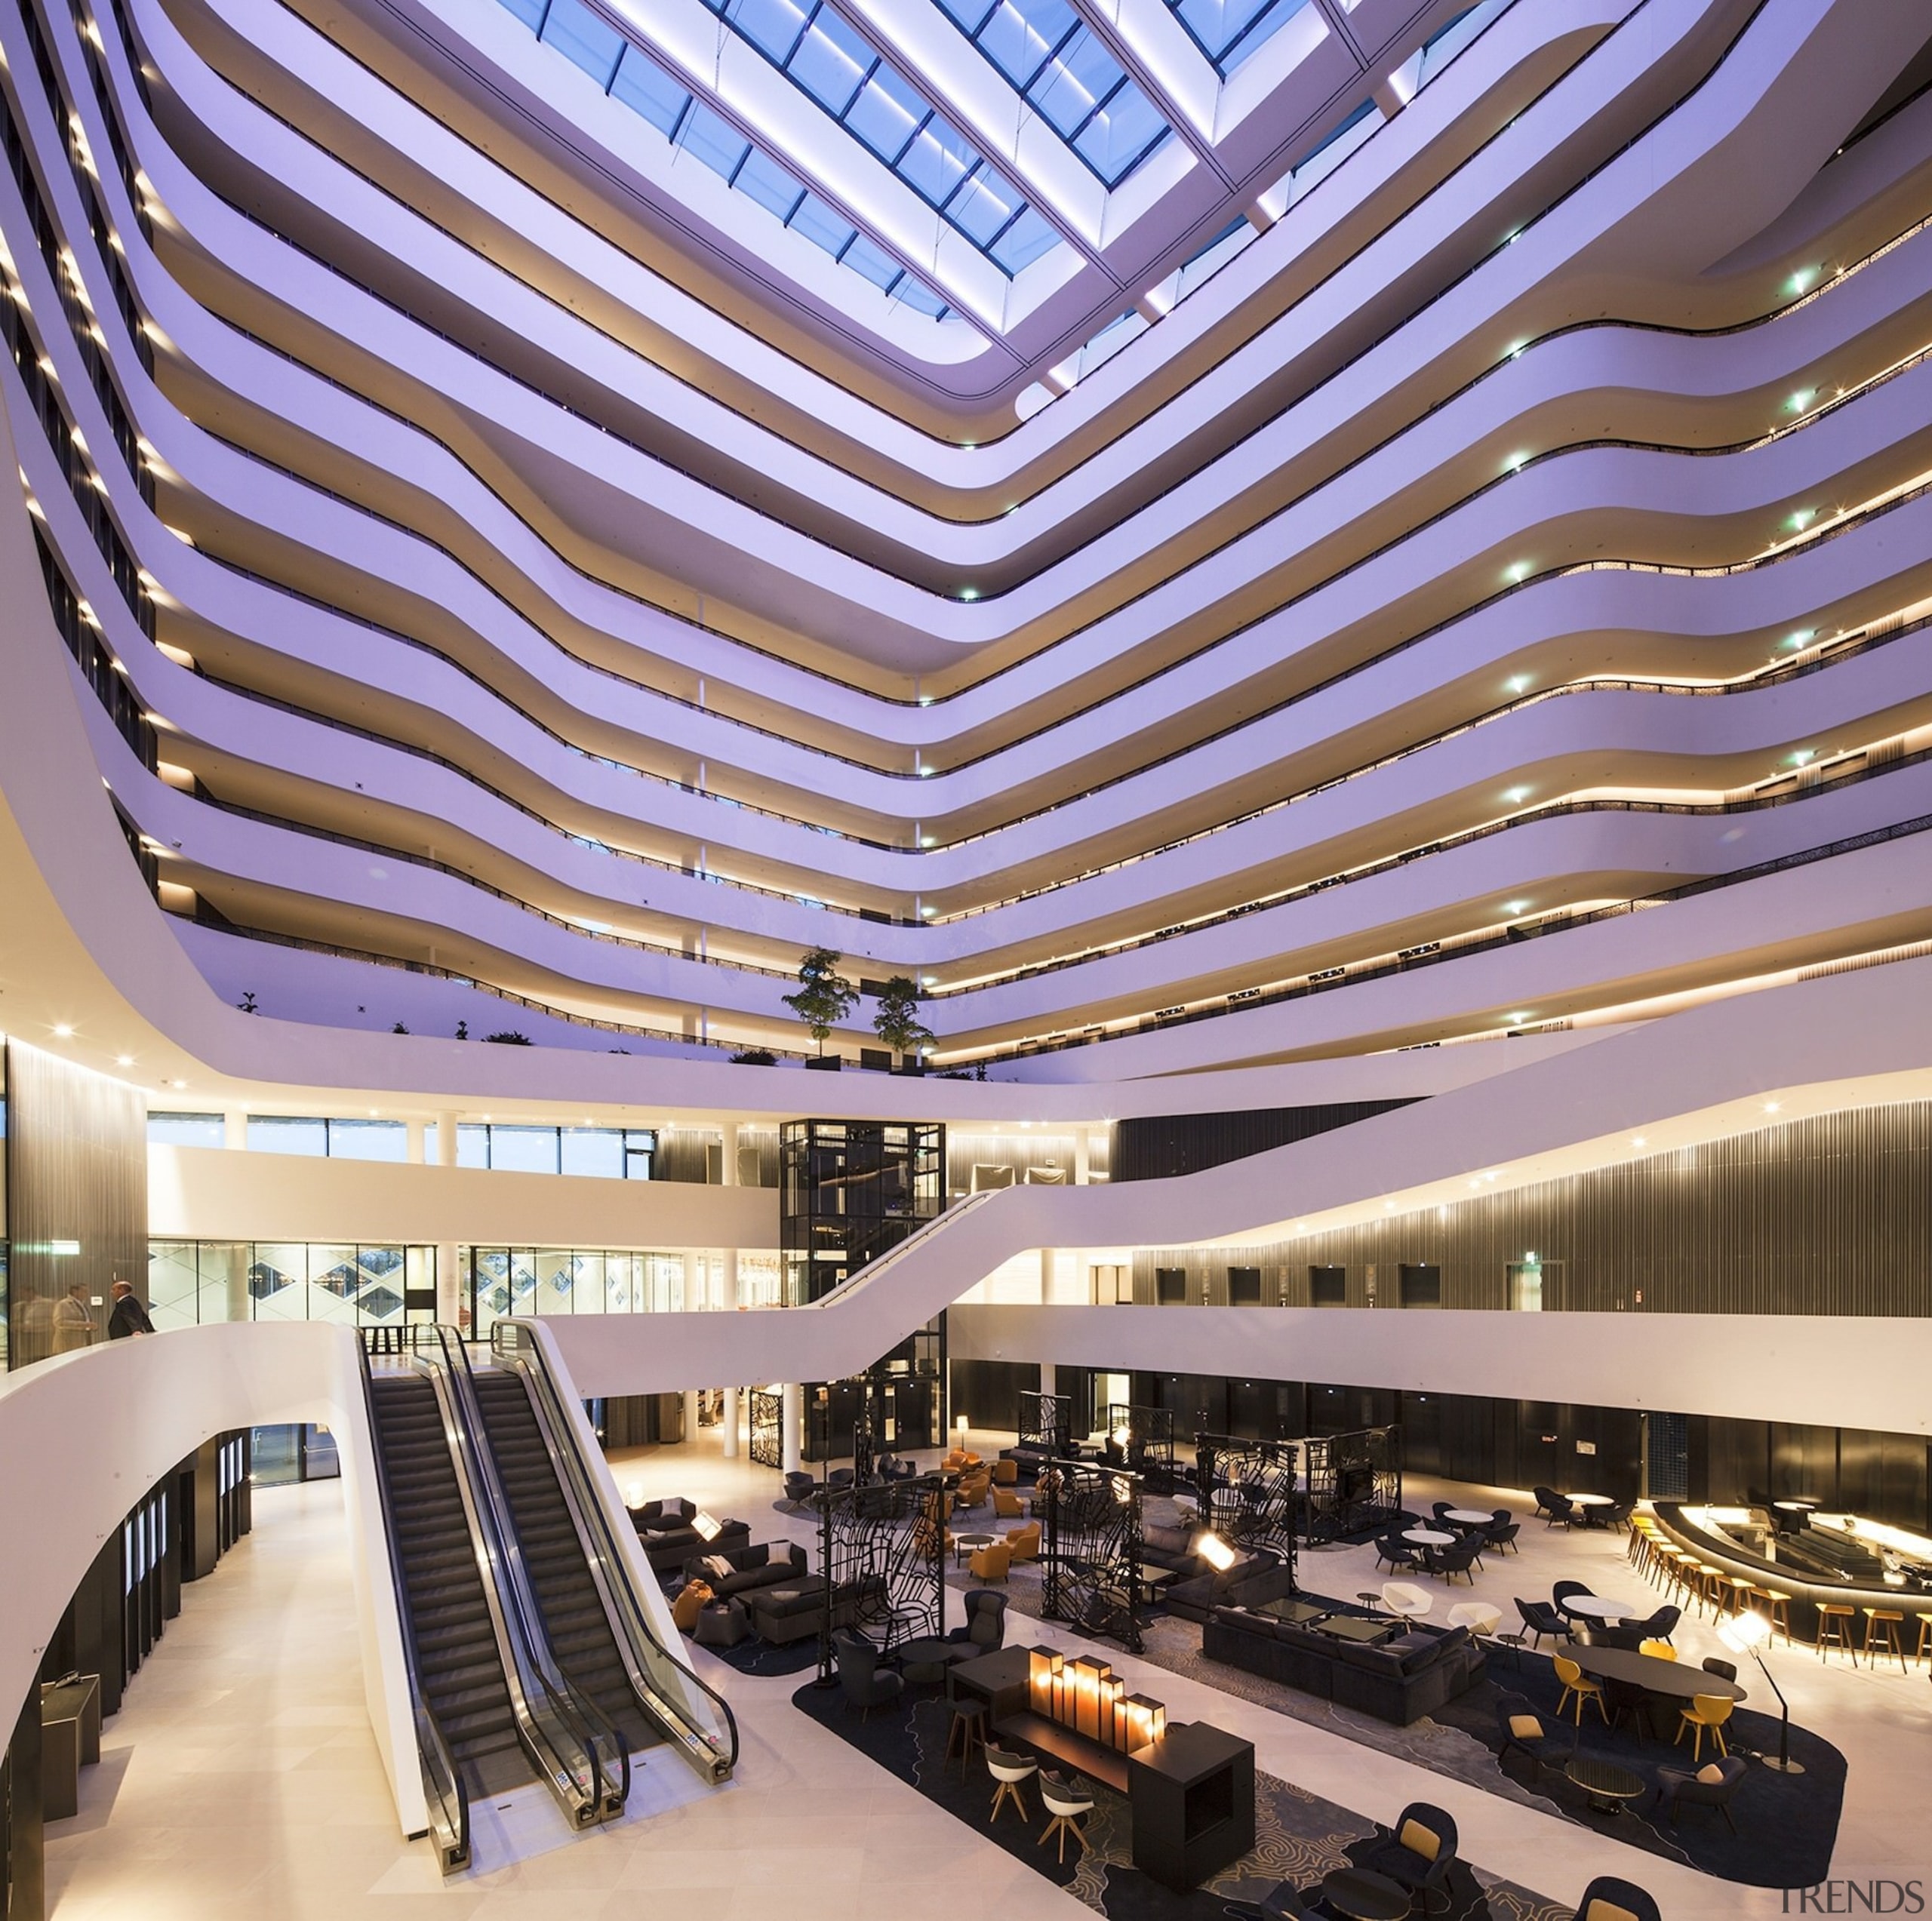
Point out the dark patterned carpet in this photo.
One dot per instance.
(1300, 1836)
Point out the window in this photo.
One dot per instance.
(274, 1133)
(1328, 1287)
(368, 1140)
(596, 1151)
(1244, 1287)
(1170, 1286)
(186, 1130)
(1421, 1285)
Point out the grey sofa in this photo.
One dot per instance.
(1247, 1584)
(668, 1550)
(1398, 1681)
(783, 1613)
(769, 1564)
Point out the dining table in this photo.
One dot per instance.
(1631, 1677)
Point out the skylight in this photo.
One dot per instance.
(1229, 31)
(1053, 59)
(631, 77)
(834, 66)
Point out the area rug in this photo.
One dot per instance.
(1299, 1837)
(1787, 1825)
(764, 1661)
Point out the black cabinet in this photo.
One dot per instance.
(1193, 1796)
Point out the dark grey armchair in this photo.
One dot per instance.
(985, 1624)
(1540, 1619)
(1608, 1896)
(1418, 1854)
(866, 1685)
(1679, 1787)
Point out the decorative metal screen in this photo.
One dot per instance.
(1090, 1549)
(1046, 1424)
(1355, 1482)
(767, 1429)
(1250, 1491)
(865, 1428)
(882, 1553)
(1142, 1440)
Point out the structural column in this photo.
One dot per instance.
(1082, 1156)
(1048, 1378)
(690, 1415)
(450, 1291)
(730, 1419)
(792, 1438)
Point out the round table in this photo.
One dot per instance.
(926, 1660)
(965, 1544)
(1469, 1517)
(1361, 1896)
(1607, 1786)
(1429, 1537)
(1599, 1607)
(1589, 1501)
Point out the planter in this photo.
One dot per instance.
(826, 1063)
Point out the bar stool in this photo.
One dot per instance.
(1881, 1635)
(967, 1732)
(1738, 1593)
(1670, 1570)
(1923, 1650)
(1835, 1620)
(1010, 1771)
(1777, 1611)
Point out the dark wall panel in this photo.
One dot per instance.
(1831, 1214)
(1154, 1146)
(77, 1198)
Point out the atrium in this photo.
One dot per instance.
(1287, 642)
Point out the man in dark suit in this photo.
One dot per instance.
(128, 1317)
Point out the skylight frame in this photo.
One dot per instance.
(1034, 82)
(1261, 25)
(1019, 236)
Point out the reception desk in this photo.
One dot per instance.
(1750, 1543)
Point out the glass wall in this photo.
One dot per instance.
(606, 1152)
(195, 1282)
(506, 1281)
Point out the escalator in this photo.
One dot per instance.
(575, 1615)
(460, 1670)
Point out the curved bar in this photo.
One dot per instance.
(1805, 1595)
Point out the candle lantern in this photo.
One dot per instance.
(1042, 1675)
(1088, 1674)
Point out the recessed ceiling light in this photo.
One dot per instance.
(124, 1060)
(1513, 794)
(62, 1031)
(1514, 906)
(1637, 1140)
(1517, 682)
(1516, 570)
(1772, 1107)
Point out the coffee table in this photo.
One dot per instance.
(1429, 1537)
(964, 1545)
(1469, 1517)
(927, 1660)
(1362, 1896)
(1606, 1785)
(1352, 1627)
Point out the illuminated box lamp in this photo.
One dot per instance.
(1146, 1720)
(1088, 1675)
(1043, 1681)
(705, 1526)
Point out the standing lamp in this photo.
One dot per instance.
(1746, 1633)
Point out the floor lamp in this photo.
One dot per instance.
(1746, 1633)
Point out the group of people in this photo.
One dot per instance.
(47, 1327)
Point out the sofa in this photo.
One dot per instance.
(782, 1613)
(770, 1564)
(659, 1517)
(667, 1549)
(1398, 1681)
(1163, 1546)
(1247, 1584)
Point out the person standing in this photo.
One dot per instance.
(128, 1317)
(73, 1320)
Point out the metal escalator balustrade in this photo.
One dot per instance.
(683, 1707)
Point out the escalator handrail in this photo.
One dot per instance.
(513, 1343)
(443, 1787)
(570, 1737)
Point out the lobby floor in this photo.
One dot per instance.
(241, 1778)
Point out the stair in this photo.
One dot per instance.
(579, 1631)
(458, 1666)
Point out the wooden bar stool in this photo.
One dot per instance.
(1882, 1636)
(968, 1732)
(1736, 1593)
(1777, 1612)
(1835, 1620)
(1923, 1651)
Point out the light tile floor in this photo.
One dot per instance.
(240, 1779)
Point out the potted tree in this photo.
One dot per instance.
(824, 998)
(898, 1024)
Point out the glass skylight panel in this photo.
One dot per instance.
(1066, 74)
(833, 64)
(631, 77)
(1229, 31)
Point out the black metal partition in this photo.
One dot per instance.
(1250, 1491)
(1046, 1424)
(1355, 1482)
(1141, 1440)
(882, 1561)
(768, 1428)
(1090, 1549)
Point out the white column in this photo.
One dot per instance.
(691, 1416)
(446, 1140)
(1083, 1148)
(728, 1160)
(730, 1424)
(235, 1128)
(452, 1296)
(1046, 1275)
(1047, 1378)
(694, 1282)
(729, 1298)
(791, 1442)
